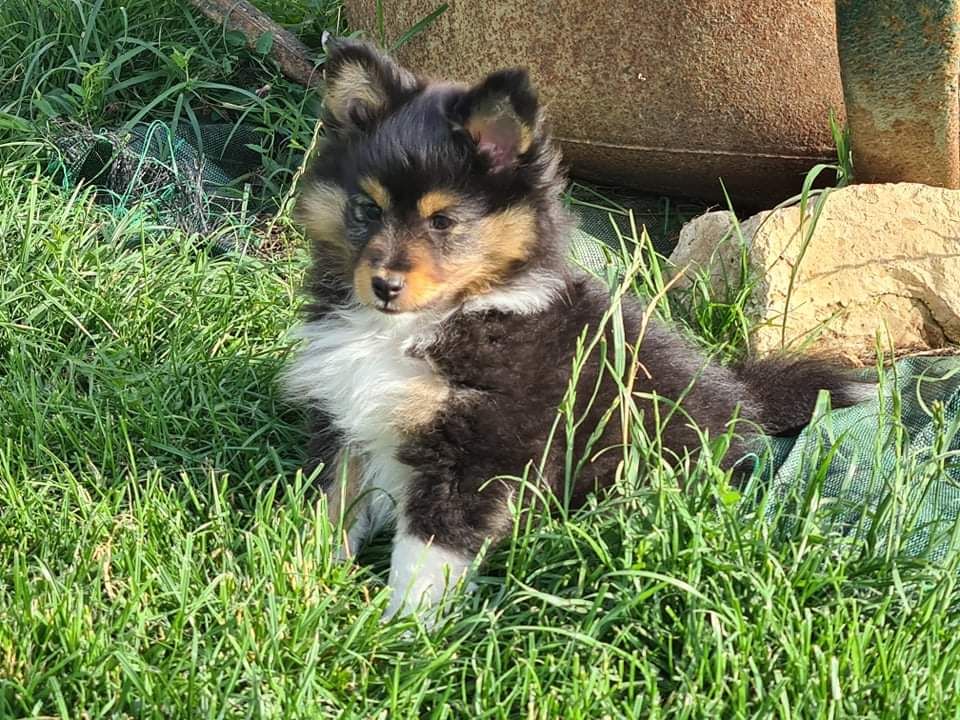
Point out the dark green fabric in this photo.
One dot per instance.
(886, 470)
(191, 178)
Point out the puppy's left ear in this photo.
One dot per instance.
(502, 116)
(362, 85)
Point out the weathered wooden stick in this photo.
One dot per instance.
(293, 57)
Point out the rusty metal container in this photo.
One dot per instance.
(900, 63)
(663, 96)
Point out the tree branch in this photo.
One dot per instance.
(293, 57)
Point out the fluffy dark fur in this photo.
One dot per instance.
(445, 317)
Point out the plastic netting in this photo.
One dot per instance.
(884, 471)
(192, 177)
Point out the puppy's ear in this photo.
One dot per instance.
(501, 114)
(362, 85)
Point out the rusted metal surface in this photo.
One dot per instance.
(665, 96)
(900, 61)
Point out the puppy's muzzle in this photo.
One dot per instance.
(386, 287)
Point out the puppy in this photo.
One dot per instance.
(445, 320)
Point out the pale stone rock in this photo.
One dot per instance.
(881, 259)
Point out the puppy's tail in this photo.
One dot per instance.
(785, 390)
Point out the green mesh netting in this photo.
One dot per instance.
(191, 177)
(886, 470)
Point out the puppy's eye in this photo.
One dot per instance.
(366, 212)
(441, 222)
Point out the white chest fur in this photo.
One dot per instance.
(355, 365)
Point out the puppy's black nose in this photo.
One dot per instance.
(386, 289)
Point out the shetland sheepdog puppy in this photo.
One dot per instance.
(444, 319)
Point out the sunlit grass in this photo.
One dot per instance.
(161, 556)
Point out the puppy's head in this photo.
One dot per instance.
(425, 194)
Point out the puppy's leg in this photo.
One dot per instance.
(346, 505)
(340, 480)
(421, 571)
(440, 532)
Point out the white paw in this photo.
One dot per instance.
(420, 574)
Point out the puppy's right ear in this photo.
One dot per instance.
(501, 114)
(362, 85)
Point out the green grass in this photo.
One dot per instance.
(161, 557)
(107, 64)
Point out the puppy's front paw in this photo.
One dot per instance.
(420, 573)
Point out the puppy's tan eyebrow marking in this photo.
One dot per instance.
(435, 201)
(377, 192)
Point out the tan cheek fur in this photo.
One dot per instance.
(424, 282)
(505, 241)
(320, 210)
(508, 236)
